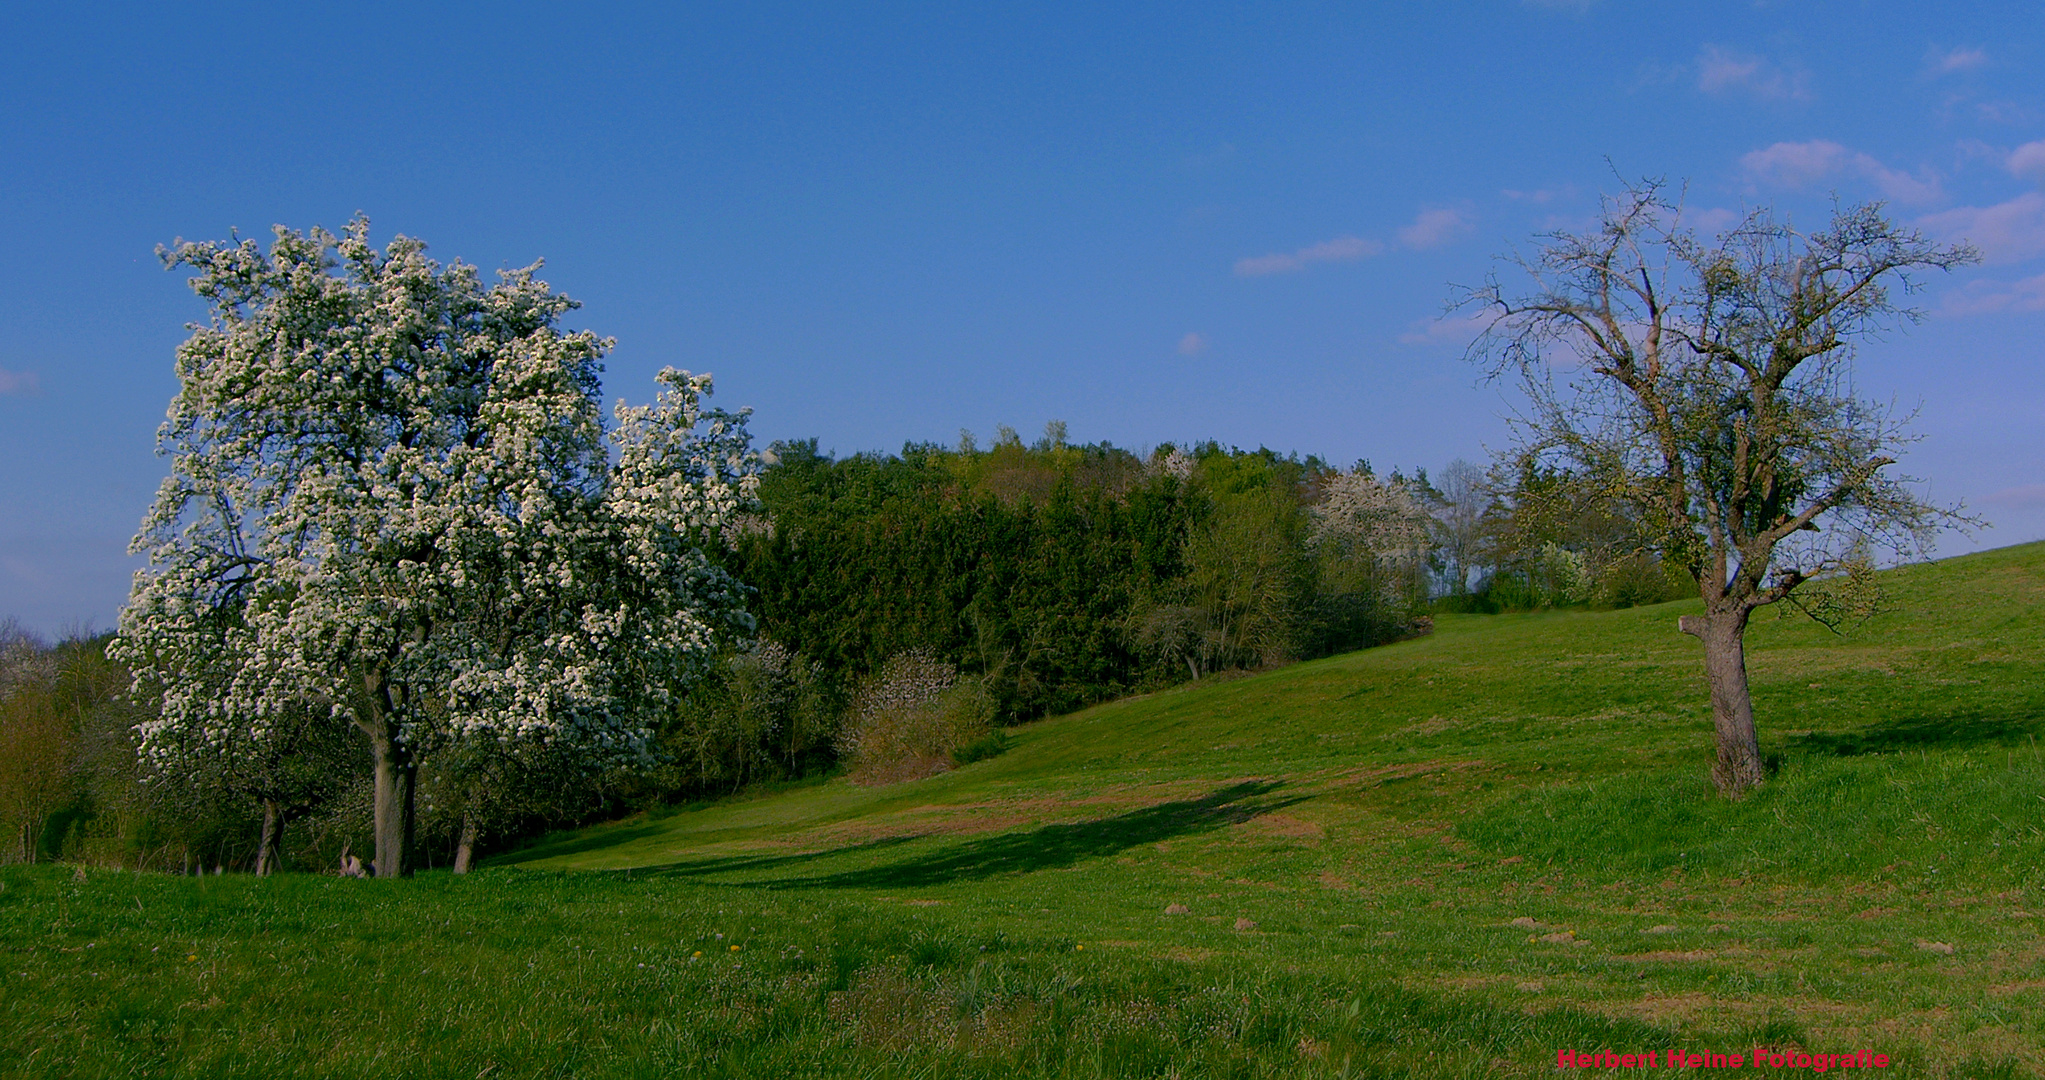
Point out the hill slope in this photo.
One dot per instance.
(1515, 808)
(1452, 857)
(1482, 716)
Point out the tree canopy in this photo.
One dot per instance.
(1703, 386)
(391, 504)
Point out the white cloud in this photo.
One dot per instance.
(1989, 297)
(1712, 220)
(1192, 345)
(1951, 61)
(2004, 112)
(1340, 249)
(2028, 161)
(1458, 329)
(1436, 227)
(2021, 495)
(18, 382)
(2006, 232)
(1722, 71)
(1799, 165)
(1796, 164)
(1538, 196)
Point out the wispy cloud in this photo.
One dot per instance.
(1459, 330)
(1990, 297)
(1709, 220)
(2027, 162)
(1953, 61)
(2006, 232)
(2004, 112)
(1436, 227)
(1538, 196)
(1799, 165)
(22, 383)
(1723, 71)
(1340, 249)
(2021, 495)
(1192, 344)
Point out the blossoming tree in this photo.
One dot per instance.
(391, 501)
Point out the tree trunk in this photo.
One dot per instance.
(465, 849)
(266, 845)
(396, 777)
(1738, 769)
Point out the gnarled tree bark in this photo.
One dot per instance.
(465, 848)
(1739, 765)
(396, 778)
(266, 845)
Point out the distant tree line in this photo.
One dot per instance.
(909, 607)
(1043, 577)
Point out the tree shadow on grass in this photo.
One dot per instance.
(1047, 847)
(596, 840)
(1910, 733)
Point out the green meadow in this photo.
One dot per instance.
(1448, 857)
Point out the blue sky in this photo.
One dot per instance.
(885, 223)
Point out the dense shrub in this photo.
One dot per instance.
(914, 717)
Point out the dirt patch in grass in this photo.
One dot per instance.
(1694, 1008)
(1283, 825)
(1368, 776)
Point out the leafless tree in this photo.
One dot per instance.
(1707, 384)
(1461, 500)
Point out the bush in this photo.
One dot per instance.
(1638, 579)
(913, 718)
(992, 744)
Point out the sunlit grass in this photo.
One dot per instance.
(1448, 857)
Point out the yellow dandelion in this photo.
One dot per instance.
(734, 948)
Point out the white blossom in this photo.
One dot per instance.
(391, 499)
(1360, 517)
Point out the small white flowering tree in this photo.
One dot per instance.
(391, 501)
(1370, 534)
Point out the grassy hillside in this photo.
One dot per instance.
(1451, 856)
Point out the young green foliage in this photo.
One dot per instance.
(1710, 395)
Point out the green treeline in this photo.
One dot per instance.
(909, 607)
(1039, 577)
(1045, 569)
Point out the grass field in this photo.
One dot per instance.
(1448, 857)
